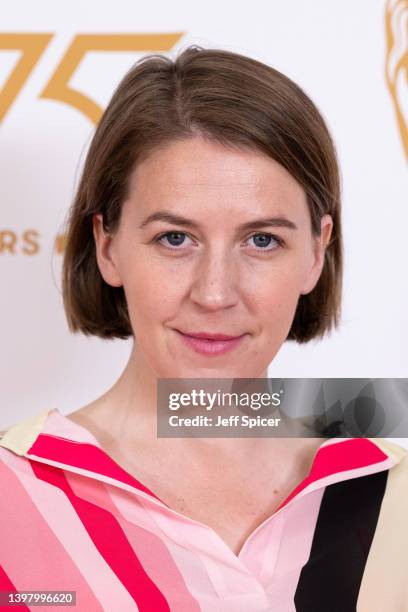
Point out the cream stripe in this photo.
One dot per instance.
(385, 581)
(20, 437)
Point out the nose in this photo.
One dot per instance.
(215, 281)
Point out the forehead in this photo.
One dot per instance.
(196, 171)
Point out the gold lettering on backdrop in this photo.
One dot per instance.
(10, 242)
(28, 243)
(396, 66)
(30, 237)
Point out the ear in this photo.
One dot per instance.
(105, 253)
(319, 249)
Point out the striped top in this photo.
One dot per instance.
(71, 519)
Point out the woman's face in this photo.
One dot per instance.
(235, 263)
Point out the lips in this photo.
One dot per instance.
(210, 336)
(210, 344)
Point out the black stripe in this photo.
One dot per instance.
(345, 527)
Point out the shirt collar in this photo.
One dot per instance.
(50, 437)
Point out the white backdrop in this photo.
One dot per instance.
(335, 51)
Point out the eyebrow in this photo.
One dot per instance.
(169, 217)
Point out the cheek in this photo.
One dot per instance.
(150, 296)
(278, 289)
(274, 303)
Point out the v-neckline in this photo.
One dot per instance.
(87, 437)
(55, 437)
(80, 434)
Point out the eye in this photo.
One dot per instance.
(176, 239)
(266, 241)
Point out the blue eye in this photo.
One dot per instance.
(174, 242)
(266, 240)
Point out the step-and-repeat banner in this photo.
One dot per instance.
(60, 63)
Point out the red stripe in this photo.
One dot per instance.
(339, 457)
(83, 455)
(7, 585)
(110, 540)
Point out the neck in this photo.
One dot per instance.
(128, 411)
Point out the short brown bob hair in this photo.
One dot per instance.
(225, 97)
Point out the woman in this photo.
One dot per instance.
(209, 205)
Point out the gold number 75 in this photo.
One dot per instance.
(58, 87)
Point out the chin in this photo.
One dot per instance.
(215, 371)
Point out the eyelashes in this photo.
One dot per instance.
(172, 233)
(272, 241)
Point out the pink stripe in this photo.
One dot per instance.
(227, 573)
(27, 559)
(336, 458)
(7, 585)
(189, 563)
(85, 456)
(265, 541)
(148, 546)
(356, 473)
(56, 509)
(110, 540)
